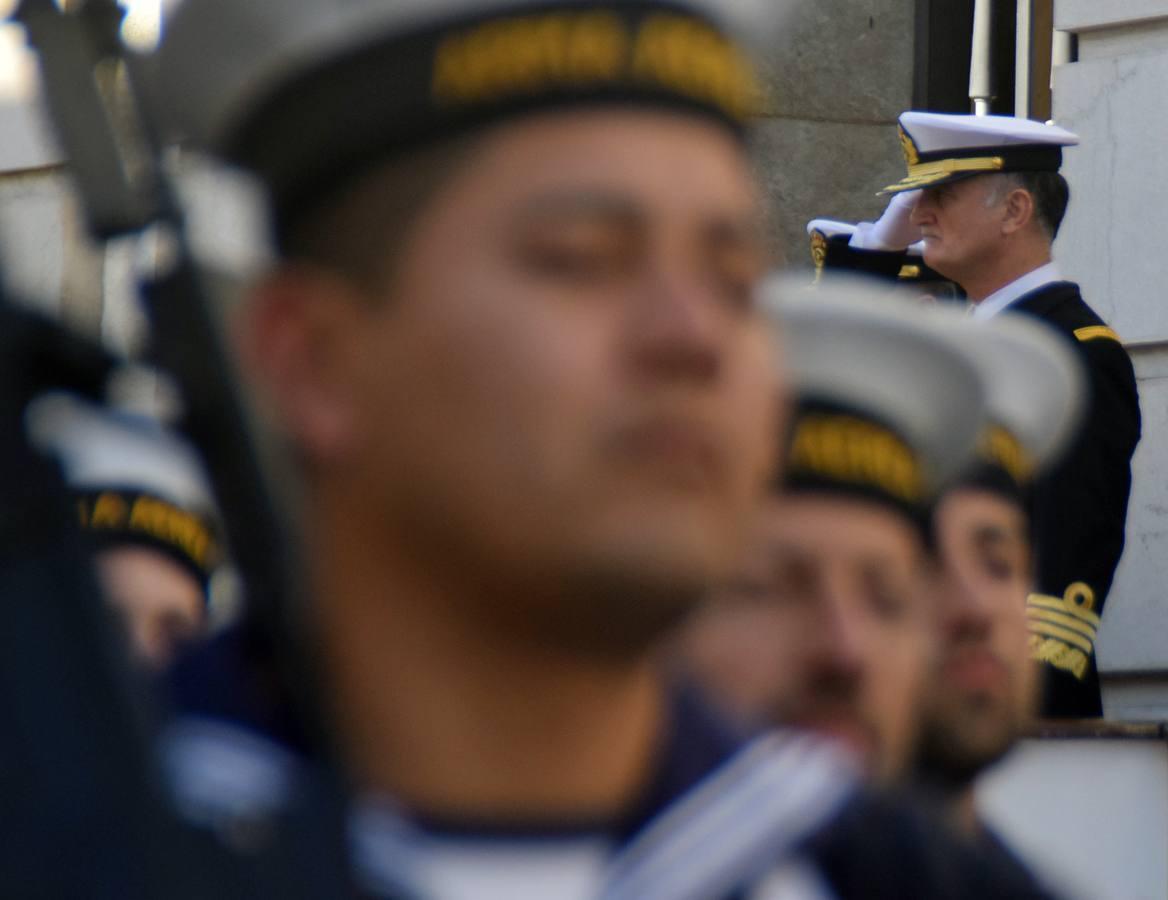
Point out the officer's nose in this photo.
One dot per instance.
(922, 210)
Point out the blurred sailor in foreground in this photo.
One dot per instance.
(990, 206)
(533, 401)
(831, 626)
(983, 690)
(144, 503)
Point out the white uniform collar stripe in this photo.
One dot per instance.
(722, 835)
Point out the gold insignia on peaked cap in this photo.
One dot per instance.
(911, 155)
(818, 251)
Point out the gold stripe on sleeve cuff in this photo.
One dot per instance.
(1065, 635)
(1063, 621)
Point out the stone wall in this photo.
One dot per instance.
(837, 78)
(1113, 244)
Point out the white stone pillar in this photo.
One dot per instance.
(1113, 244)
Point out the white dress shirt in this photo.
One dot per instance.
(1016, 290)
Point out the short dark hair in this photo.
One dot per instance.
(359, 229)
(1051, 195)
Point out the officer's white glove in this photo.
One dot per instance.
(893, 230)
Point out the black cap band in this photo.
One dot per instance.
(842, 451)
(113, 518)
(389, 95)
(1015, 158)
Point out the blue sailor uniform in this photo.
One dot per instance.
(776, 815)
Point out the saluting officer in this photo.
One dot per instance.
(888, 249)
(514, 344)
(991, 203)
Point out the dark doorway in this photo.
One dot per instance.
(944, 34)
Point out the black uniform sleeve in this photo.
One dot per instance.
(1080, 515)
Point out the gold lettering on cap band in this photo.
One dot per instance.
(687, 56)
(853, 451)
(109, 511)
(1000, 447)
(522, 54)
(172, 526)
(153, 518)
(495, 61)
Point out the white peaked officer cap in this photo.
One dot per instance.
(1035, 393)
(892, 364)
(840, 247)
(939, 148)
(309, 93)
(856, 234)
(830, 228)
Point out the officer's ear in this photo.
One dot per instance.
(1019, 210)
(293, 335)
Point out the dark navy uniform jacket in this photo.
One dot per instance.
(1080, 509)
(776, 815)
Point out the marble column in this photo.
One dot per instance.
(1112, 243)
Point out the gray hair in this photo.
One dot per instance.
(1049, 190)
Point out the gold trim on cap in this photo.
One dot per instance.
(909, 272)
(818, 252)
(908, 147)
(927, 173)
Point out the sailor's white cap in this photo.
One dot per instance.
(830, 228)
(304, 92)
(889, 361)
(1035, 392)
(856, 234)
(942, 147)
(100, 450)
